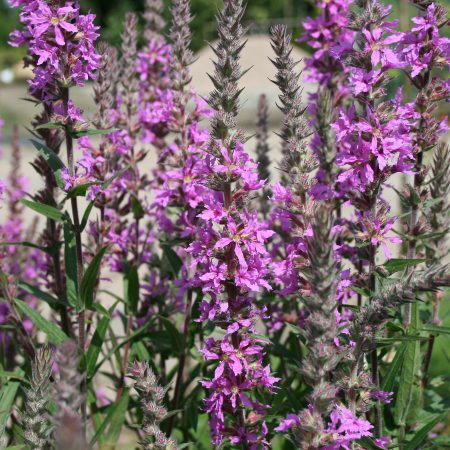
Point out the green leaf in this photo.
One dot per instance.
(175, 336)
(433, 329)
(397, 265)
(80, 190)
(406, 338)
(114, 418)
(137, 208)
(90, 278)
(394, 368)
(173, 259)
(295, 329)
(53, 161)
(13, 376)
(7, 397)
(54, 333)
(49, 250)
(44, 296)
(132, 287)
(45, 210)
(96, 345)
(81, 133)
(408, 396)
(367, 443)
(70, 258)
(422, 433)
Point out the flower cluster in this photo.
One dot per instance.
(60, 42)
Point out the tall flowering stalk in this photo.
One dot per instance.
(231, 257)
(60, 43)
(423, 50)
(262, 151)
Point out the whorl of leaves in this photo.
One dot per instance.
(36, 420)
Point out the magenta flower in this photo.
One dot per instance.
(286, 424)
(345, 427)
(378, 47)
(45, 19)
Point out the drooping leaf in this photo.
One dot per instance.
(114, 419)
(80, 190)
(90, 279)
(46, 210)
(53, 161)
(54, 333)
(367, 443)
(41, 295)
(13, 376)
(49, 250)
(434, 329)
(51, 126)
(137, 208)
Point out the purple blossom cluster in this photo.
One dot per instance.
(61, 44)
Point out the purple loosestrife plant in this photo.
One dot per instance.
(230, 257)
(279, 315)
(60, 45)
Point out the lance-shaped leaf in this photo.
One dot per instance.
(54, 333)
(90, 278)
(46, 210)
(53, 161)
(408, 396)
